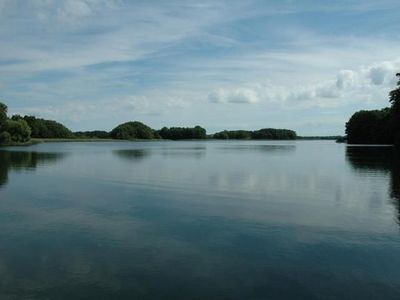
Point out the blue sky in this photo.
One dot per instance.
(302, 65)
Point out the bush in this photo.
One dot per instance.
(19, 131)
(5, 138)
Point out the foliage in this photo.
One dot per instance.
(5, 138)
(370, 127)
(96, 134)
(233, 134)
(133, 130)
(262, 134)
(183, 133)
(341, 139)
(18, 130)
(223, 135)
(42, 128)
(273, 134)
(3, 113)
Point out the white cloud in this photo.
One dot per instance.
(73, 9)
(382, 72)
(349, 86)
(67, 12)
(345, 79)
(238, 96)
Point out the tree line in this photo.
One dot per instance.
(377, 126)
(20, 129)
(41, 128)
(262, 134)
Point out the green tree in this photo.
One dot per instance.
(183, 133)
(273, 134)
(370, 127)
(133, 130)
(262, 134)
(18, 130)
(5, 138)
(42, 128)
(222, 135)
(3, 114)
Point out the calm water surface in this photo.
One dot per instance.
(199, 220)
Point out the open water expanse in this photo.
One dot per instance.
(199, 220)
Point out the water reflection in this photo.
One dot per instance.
(280, 149)
(132, 154)
(22, 160)
(168, 151)
(378, 159)
(195, 152)
(234, 224)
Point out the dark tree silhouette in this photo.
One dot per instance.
(183, 133)
(370, 127)
(377, 126)
(262, 134)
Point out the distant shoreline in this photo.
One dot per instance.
(35, 141)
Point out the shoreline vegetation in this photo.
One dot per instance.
(28, 130)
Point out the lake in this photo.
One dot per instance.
(199, 220)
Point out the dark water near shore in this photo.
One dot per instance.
(199, 220)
